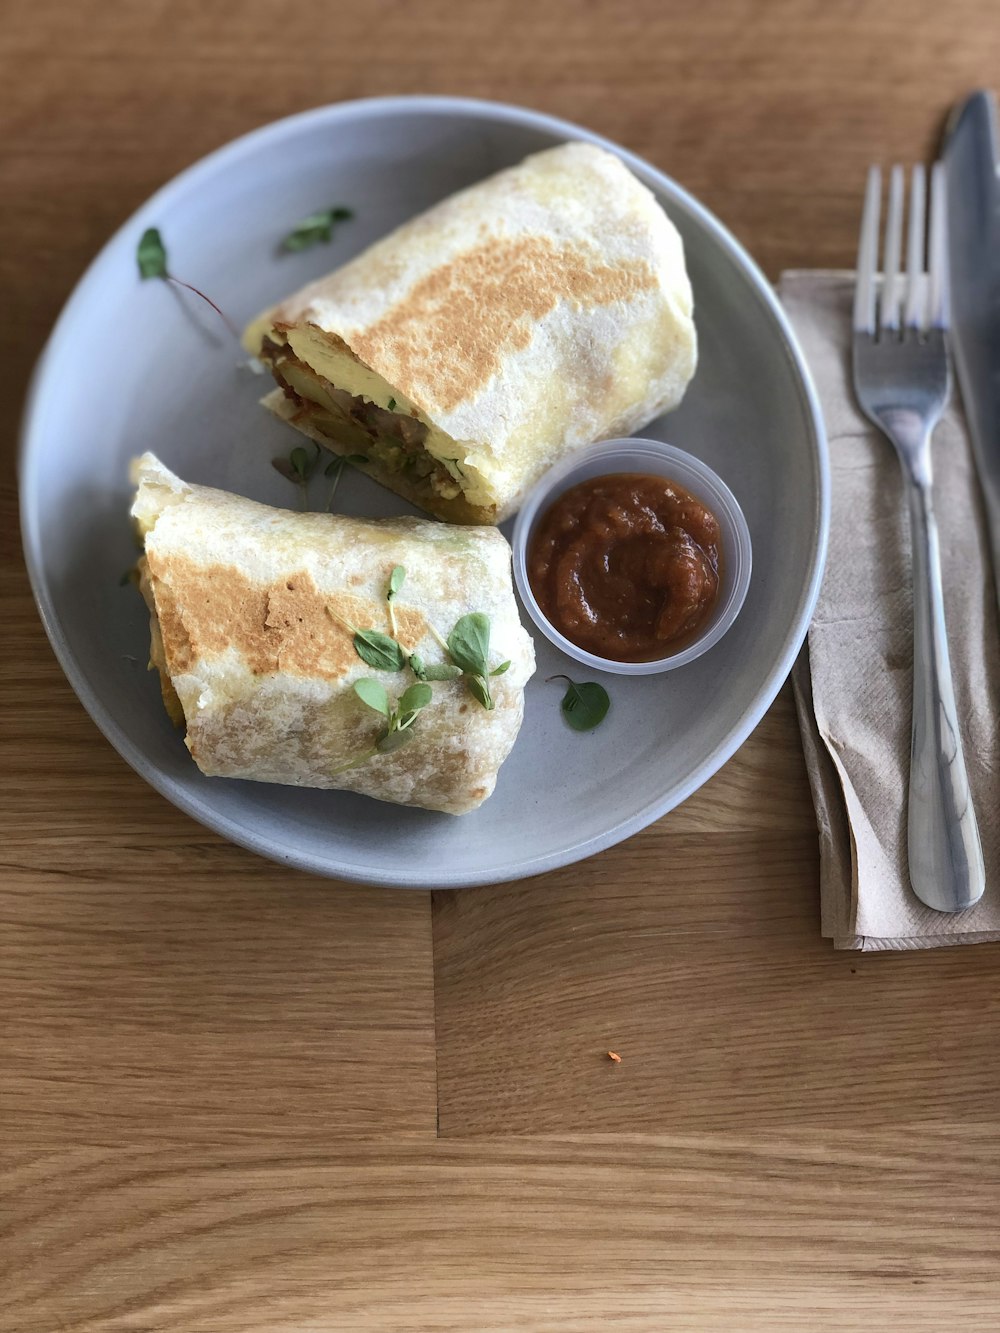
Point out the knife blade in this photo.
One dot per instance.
(973, 192)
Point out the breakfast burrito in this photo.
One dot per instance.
(459, 357)
(383, 656)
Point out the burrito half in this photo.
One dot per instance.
(538, 311)
(253, 616)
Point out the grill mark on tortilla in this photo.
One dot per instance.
(282, 626)
(463, 318)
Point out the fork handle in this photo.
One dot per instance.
(945, 854)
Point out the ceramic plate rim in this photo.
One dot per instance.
(201, 810)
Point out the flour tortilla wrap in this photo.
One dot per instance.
(247, 605)
(532, 314)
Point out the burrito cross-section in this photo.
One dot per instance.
(459, 357)
(263, 621)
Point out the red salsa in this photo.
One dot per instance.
(626, 566)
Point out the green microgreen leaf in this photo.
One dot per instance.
(391, 405)
(299, 468)
(442, 671)
(396, 580)
(379, 651)
(152, 255)
(370, 692)
(480, 691)
(434, 671)
(392, 740)
(415, 697)
(469, 644)
(400, 720)
(283, 466)
(315, 228)
(300, 465)
(585, 705)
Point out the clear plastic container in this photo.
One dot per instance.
(663, 460)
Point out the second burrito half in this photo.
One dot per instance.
(253, 620)
(459, 357)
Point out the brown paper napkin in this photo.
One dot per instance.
(853, 680)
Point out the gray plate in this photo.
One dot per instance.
(133, 366)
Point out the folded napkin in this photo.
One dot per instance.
(853, 681)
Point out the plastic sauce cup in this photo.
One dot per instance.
(661, 460)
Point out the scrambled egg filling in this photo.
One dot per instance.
(346, 401)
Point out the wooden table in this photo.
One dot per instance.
(242, 1100)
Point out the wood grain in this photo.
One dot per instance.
(212, 1008)
(705, 972)
(794, 1232)
(237, 1099)
(161, 982)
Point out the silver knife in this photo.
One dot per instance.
(973, 176)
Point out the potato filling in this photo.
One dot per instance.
(393, 441)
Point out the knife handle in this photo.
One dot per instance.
(945, 854)
(991, 499)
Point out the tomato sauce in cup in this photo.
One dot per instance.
(627, 565)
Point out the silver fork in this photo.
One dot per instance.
(902, 383)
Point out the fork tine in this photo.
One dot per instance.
(940, 300)
(916, 288)
(891, 289)
(864, 290)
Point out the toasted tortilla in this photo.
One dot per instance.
(250, 608)
(534, 313)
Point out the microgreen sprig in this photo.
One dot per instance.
(335, 469)
(299, 468)
(469, 648)
(374, 648)
(396, 581)
(584, 706)
(398, 729)
(316, 227)
(151, 256)
(433, 671)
